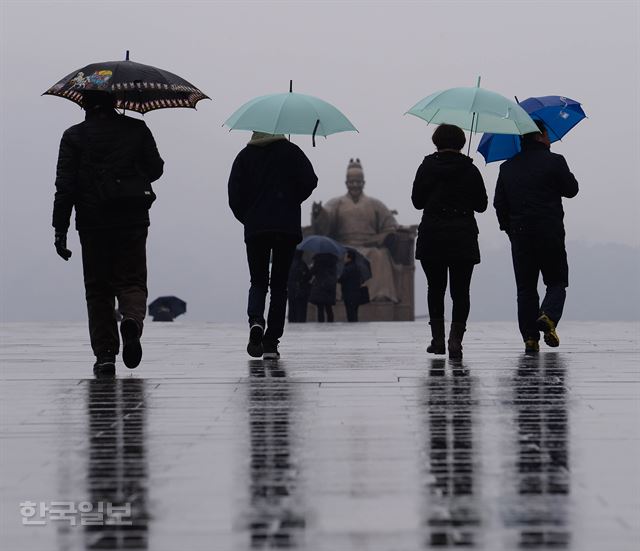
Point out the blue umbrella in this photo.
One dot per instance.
(321, 244)
(559, 114)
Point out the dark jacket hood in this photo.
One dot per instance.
(447, 164)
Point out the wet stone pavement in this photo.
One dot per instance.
(355, 440)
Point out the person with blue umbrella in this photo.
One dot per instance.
(528, 203)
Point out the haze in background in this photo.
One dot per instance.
(373, 60)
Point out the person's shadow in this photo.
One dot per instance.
(275, 513)
(452, 508)
(543, 476)
(117, 470)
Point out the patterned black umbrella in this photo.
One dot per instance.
(137, 87)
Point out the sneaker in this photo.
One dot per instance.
(131, 347)
(105, 365)
(254, 348)
(271, 351)
(548, 327)
(531, 346)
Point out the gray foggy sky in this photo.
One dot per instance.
(373, 60)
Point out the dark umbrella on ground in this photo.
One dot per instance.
(137, 87)
(167, 308)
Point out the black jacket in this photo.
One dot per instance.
(299, 281)
(351, 281)
(325, 279)
(449, 189)
(267, 185)
(529, 192)
(124, 144)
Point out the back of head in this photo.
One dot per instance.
(449, 136)
(98, 101)
(533, 137)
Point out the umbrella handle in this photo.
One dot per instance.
(315, 129)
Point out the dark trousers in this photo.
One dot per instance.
(297, 309)
(533, 256)
(280, 248)
(352, 310)
(322, 308)
(459, 283)
(114, 263)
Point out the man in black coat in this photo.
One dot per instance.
(350, 283)
(528, 203)
(102, 152)
(269, 180)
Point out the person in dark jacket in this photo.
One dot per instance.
(323, 285)
(110, 147)
(528, 203)
(298, 288)
(350, 282)
(449, 189)
(269, 180)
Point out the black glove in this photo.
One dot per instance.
(60, 243)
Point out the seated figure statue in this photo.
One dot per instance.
(365, 224)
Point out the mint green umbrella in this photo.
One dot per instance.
(289, 113)
(474, 109)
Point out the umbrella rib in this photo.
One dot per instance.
(284, 100)
(434, 116)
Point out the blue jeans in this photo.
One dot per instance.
(534, 255)
(280, 248)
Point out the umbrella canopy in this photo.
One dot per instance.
(167, 308)
(289, 113)
(317, 244)
(137, 87)
(474, 109)
(559, 114)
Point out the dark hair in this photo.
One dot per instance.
(532, 136)
(351, 254)
(449, 136)
(97, 99)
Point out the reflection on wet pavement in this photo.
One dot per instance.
(542, 468)
(275, 518)
(117, 469)
(453, 509)
(355, 441)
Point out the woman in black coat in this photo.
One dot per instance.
(449, 189)
(323, 284)
(351, 281)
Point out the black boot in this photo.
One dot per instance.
(455, 340)
(437, 337)
(105, 365)
(131, 330)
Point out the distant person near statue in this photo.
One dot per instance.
(324, 271)
(298, 288)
